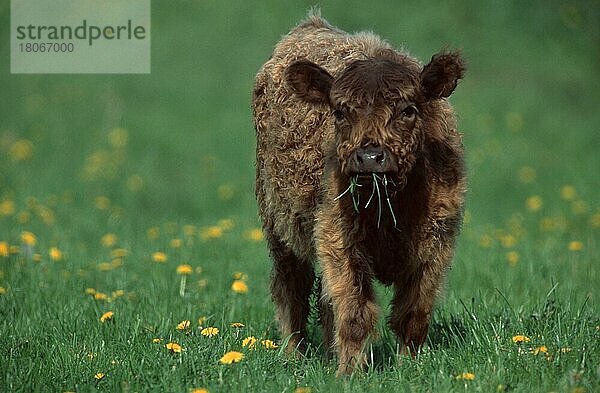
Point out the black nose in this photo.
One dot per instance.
(371, 159)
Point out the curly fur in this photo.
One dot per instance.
(322, 95)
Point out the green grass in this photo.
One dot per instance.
(528, 111)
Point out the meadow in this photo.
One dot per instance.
(131, 255)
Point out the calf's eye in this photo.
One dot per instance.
(409, 113)
(338, 114)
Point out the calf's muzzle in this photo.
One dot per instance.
(371, 159)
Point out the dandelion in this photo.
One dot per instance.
(268, 344)
(189, 230)
(512, 257)
(102, 203)
(302, 389)
(184, 269)
(254, 235)
(21, 150)
(118, 138)
(534, 203)
(99, 376)
(202, 320)
(199, 390)
(153, 233)
(226, 192)
(156, 340)
(55, 254)
(519, 339)
(173, 347)
(568, 192)
(36, 257)
(212, 232)
(4, 250)
(160, 257)
(107, 316)
(225, 224)
(527, 174)
(239, 286)
(183, 325)
(237, 325)
(3, 290)
(542, 349)
(175, 243)
(231, 357)
(118, 293)
(466, 376)
(108, 240)
(90, 291)
(240, 276)
(119, 253)
(28, 239)
(7, 207)
(100, 296)
(575, 245)
(249, 342)
(209, 331)
(595, 220)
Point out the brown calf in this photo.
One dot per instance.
(358, 166)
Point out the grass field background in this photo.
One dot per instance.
(109, 183)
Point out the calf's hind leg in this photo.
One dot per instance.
(291, 285)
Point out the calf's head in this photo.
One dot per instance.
(380, 107)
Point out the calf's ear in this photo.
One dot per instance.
(309, 81)
(440, 77)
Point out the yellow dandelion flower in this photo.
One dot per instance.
(102, 203)
(107, 316)
(156, 340)
(28, 239)
(55, 254)
(512, 257)
(99, 376)
(135, 183)
(534, 203)
(199, 390)
(3, 290)
(486, 241)
(173, 347)
(153, 233)
(189, 230)
(237, 325)
(518, 339)
(4, 250)
(254, 235)
(160, 257)
(226, 192)
(90, 291)
(302, 389)
(575, 245)
(269, 344)
(240, 276)
(118, 138)
(231, 357)
(213, 232)
(542, 349)
(183, 325)
(466, 376)
(184, 269)
(568, 192)
(249, 342)
(7, 207)
(225, 224)
(36, 257)
(209, 331)
(118, 293)
(176, 243)
(579, 207)
(104, 266)
(508, 241)
(100, 296)
(595, 220)
(119, 253)
(527, 174)
(115, 263)
(239, 286)
(21, 150)
(109, 240)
